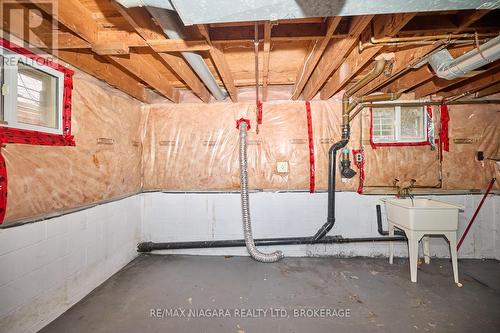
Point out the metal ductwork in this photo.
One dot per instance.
(165, 4)
(448, 68)
(219, 11)
(169, 22)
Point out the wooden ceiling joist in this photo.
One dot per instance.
(334, 55)
(418, 76)
(219, 60)
(474, 84)
(143, 24)
(356, 61)
(315, 52)
(465, 20)
(151, 70)
(402, 59)
(76, 17)
(437, 84)
(106, 72)
(491, 90)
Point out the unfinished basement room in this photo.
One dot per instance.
(249, 166)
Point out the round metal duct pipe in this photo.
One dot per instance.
(448, 68)
(161, 10)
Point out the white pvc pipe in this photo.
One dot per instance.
(448, 68)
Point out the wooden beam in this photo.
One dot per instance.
(437, 84)
(356, 61)
(143, 24)
(77, 18)
(149, 69)
(334, 55)
(491, 90)
(72, 14)
(111, 48)
(474, 84)
(410, 80)
(105, 71)
(402, 59)
(94, 66)
(266, 56)
(178, 45)
(465, 20)
(217, 55)
(418, 76)
(315, 52)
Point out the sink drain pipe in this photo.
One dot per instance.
(321, 235)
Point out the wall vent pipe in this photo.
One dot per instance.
(448, 68)
(161, 10)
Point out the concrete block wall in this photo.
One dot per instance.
(47, 266)
(190, 217)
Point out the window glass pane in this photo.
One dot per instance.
(383, 124)
(412, 123)
(36, 97)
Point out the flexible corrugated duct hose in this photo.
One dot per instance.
(245, 206)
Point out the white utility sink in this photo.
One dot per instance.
(422, 214)
(419, 218)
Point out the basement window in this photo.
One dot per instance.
(398, 125)
(32, 94)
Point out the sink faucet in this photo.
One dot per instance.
(405, 192)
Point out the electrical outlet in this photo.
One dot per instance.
(480, 156)
(282, 167)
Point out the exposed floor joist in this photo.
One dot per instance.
(76, 17)
(475, 84)
(334, 55)
(217, 55)
(491, 90)
(420, 75)
(314, 54)
(91, 64)
(143, 24)
(399, 66)
(106, 72)
(356, 61)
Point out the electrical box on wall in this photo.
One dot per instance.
(282, 167)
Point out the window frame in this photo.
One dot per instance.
(15, 132)
(397, 141)
(10, 103)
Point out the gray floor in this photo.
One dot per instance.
(378, 296)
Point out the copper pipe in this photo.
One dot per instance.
(374, 40)
(374, 98)
(376, 71)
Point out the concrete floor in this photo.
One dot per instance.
(379, 297)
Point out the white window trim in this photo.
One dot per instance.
(397, 126)
(10, 99)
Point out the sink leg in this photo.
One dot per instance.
(425, 245)
(452, 238)
(413, 255)
(391, 244)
